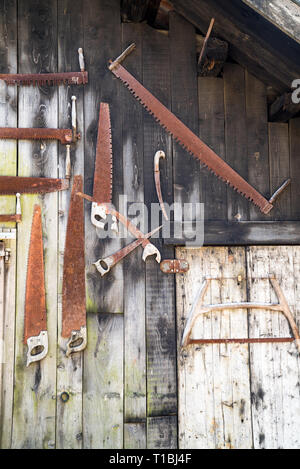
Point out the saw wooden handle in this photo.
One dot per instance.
(81, 59)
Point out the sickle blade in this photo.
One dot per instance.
(73, 291)
(35, 330)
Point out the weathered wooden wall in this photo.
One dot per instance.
(123, 389)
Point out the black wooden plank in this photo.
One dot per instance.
(279, 155)
(160, 288)
(257, 140)
(283, 109)
(221, 233)
(185, 106)
(102, 42)
(295, 167)
(236, 136)
(162, 433)
(212, 132)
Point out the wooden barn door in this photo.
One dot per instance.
(239, 395)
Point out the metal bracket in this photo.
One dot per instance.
(174, 266)
(199, 308)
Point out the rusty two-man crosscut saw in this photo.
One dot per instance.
(35, 324)
(187, 139)
(73, 288)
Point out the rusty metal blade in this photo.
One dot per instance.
(35, 298)
(45, 79)
(65, 136)
(103, 167)
(188, 140)
(73, 290)
(10, 185)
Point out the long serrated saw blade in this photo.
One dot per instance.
(45, 79)
(73, 289)
(65, 136)
(102, 190)
(188, 140)
(35, 324)
(10, 185)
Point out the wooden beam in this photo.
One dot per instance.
(220, 233)
(284, 14)
(255, 43)
(136, 11)
(283, 109)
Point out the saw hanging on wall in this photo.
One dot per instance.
(187, 139)
(50, 79)
(73, 289)
(35, 327)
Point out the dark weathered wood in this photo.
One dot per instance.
(134, 281)
(221, 233)
(283, 109)
(139, 10)
(160, 308)
(236, 136)
(279, 155)
(102, 33)
(249, 34)
(295, 167)
(257, 140)
(216, 56)
(162, 432)
(284, 14)
(185, 106)
(135, 435)
(212, 132)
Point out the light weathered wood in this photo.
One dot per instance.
(285, 14)
(134, 282)
(162, 432)
(35, 387)
(69, 370)
(135, 435)
(274, 368)
(103, 389)
(214, 382)
(8, 166)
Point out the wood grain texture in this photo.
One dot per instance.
(294, 132)
(134, 281)
(135, 435)
(102, 32)
(162, 432)
(160, 330)
(69, 370)
(34, 395)
(8, 166)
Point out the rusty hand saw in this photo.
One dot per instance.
(104, 265)
(73, 289)
(149, 248)
(35, 330)
(66, 78)
(102, 190)
(187, 139)
(11, 185)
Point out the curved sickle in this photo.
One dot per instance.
(158, 155)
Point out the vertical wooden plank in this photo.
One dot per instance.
(214, 382)
(69, 370)
(279, 154)
(103, 358)
(103, 385)
(274, 367)
(134, 282)
(257, 142)
(236, 136)
(183, 64)
(160, 307)
(135, 435)
(102, 33)
(8, 166)
(212, 132)
(34, 396)
(294, 128)
(162, 432)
